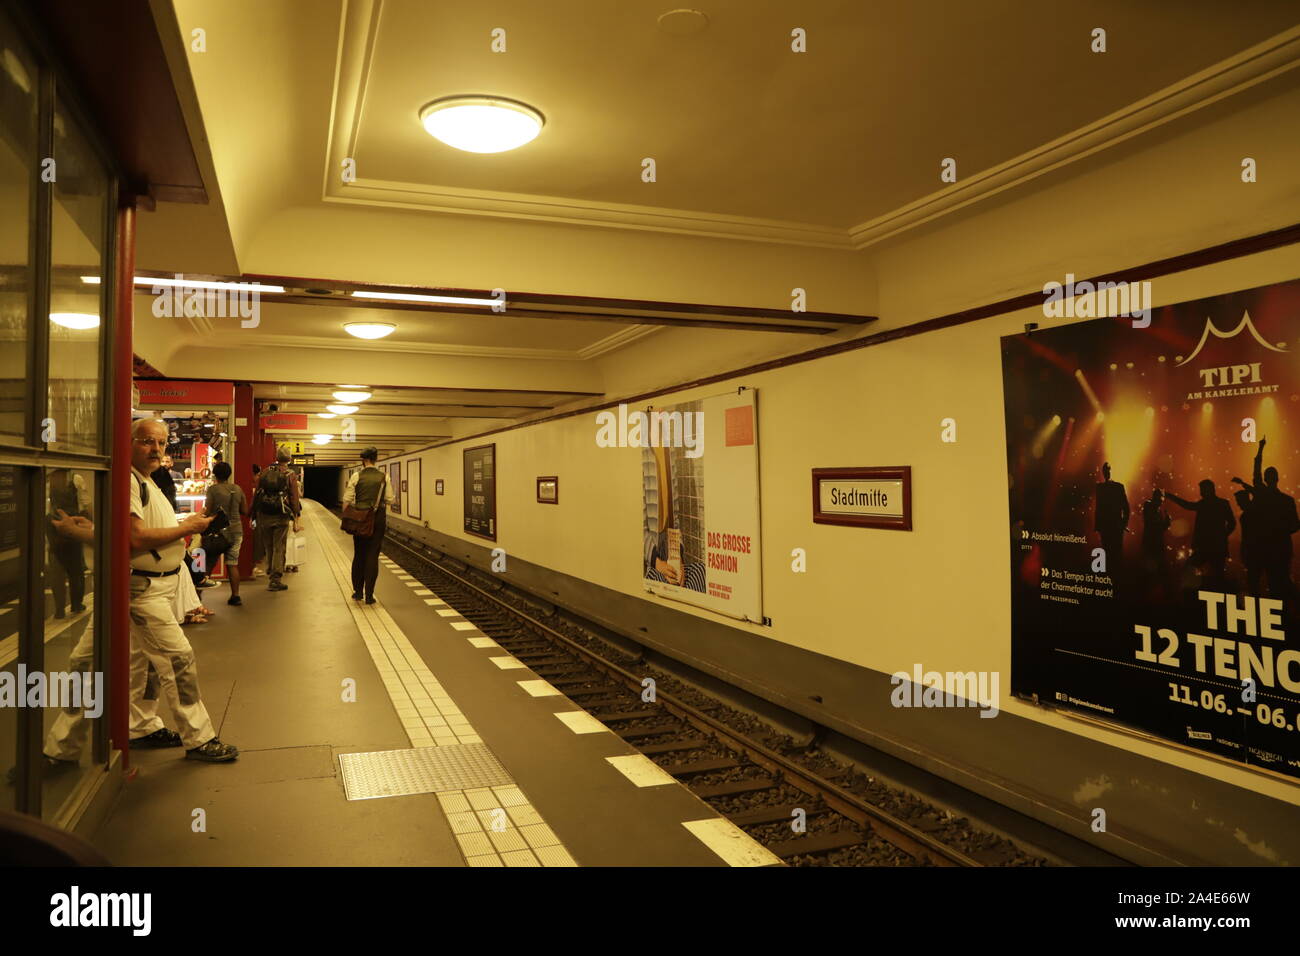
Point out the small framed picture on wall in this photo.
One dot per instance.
(548, 490)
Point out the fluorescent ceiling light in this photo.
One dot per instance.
(75, 320)
(194, 284)
(325, 415)
(370, 330)
(414, 297)
(322, 439)
(351, 396)
(481, 124)
(342, 409)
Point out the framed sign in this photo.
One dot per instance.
(437, 487)
(395, 482)
(548, 490)
(481, 491)
(863, 497)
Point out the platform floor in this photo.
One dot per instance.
(301, 678)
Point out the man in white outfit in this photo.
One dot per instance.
(157, 548)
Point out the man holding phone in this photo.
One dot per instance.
(156, 638)
(226, 503)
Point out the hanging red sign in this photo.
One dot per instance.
(282, 422)
(163, 393)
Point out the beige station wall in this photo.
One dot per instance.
(939, 595)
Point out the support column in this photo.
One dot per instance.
(119, 565)
(246, 453)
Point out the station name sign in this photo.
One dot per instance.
(863, 497)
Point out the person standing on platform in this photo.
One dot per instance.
(229, 497)
(258, 554)
(368, 488)
(277, 506)
(156, 639)
(164, 476)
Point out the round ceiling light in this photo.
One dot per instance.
(322, 439)
(351, 396)
(75, 320)
(325, 415)
(342, 409)
(481, 124)
(370, 330)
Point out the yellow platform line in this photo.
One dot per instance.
(493, 826)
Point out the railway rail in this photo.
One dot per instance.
(807, 809)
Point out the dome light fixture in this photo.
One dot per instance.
(342, 409)
(370, 330)
(75, 320)
(326, 415)
(481, 124)
(351, 396)
(322, 439)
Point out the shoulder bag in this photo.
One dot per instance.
(360, 522)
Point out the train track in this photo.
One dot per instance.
(805, 808)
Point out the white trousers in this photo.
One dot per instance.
(157, 639)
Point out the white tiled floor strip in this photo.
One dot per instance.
(494, 826)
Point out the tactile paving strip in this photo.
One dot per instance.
(395, 773)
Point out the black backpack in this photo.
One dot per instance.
(273, 491)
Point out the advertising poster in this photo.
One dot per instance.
(700, 493)
(481, 491)
(1152, 475)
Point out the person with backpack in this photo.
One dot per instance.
(227, 497)
(277, 506)
(366, 501)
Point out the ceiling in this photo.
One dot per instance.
(775, 170)
(738, 124)
(395, 420)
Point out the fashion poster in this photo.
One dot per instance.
(1152, 475)
(700, 492)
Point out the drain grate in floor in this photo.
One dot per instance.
(395, 773)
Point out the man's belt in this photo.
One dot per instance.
(156, 574)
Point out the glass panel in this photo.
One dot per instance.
(80, 210)
(73, 702)
(13, 580)
(18, 147)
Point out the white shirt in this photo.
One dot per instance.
(156, 514)
(350, 492)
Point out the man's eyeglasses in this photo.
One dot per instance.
(155, 442)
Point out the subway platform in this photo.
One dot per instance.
(395, 734)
